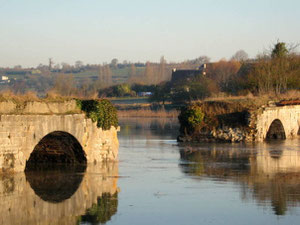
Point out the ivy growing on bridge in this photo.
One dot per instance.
(100, 111)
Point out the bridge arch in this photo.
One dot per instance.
(276, 130)
(57, 148)
(20, 134)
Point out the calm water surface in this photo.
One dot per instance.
(158, 181)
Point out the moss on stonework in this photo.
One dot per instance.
(100, 111)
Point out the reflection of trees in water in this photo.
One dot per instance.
(160, 128)
(149, 126)
(281, 191)
(102, 211)
(213, 162)
(56, 185)
(8, 184)
(275, 187)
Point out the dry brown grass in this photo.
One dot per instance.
(224, 97)
(148, 113)
(271, 96)
(290, 95)
(225, 104)
(53, 96)
(10, 96)
(30, 96)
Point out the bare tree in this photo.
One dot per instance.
(50, 63)
(105, 76)
(64, 85)
(78, 64)
(162, 69)
(223, 71)
(65, 66)
(132, 70)
(114, 63)
(240, 56)
(149, 74)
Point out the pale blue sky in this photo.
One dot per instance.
(96, 31)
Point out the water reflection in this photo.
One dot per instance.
(71, 196)
(149, 127)
(268, 172)
(102, 211)
(57, 184)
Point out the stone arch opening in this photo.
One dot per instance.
(298, 133)
(56, 148)
(276, 130)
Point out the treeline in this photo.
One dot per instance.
(89, 80)
(273, 73)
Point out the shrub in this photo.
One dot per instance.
(190, 118)
(102, 112)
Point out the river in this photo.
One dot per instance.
(158, 181)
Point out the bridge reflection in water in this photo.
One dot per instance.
(269, 172)
(73, 196)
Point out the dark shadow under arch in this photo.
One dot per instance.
(56, 148)
(298, 133)
(276, 130)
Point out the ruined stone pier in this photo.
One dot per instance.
(250, 125)
(278, 122)
(21, 130)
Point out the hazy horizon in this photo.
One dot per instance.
(95, 32)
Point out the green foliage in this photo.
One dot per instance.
(120, 90)
(102, 112)
(279, 50)
(101, 212)
(143, 88)
(123, 90)
(161, 93)
(198, 89)
(190, 118)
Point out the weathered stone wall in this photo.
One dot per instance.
(21, 205)
(258, 125)
(36, 107)
(289, 116)
(19, 134)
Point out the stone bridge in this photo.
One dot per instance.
(278, 122)
(57, 129)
